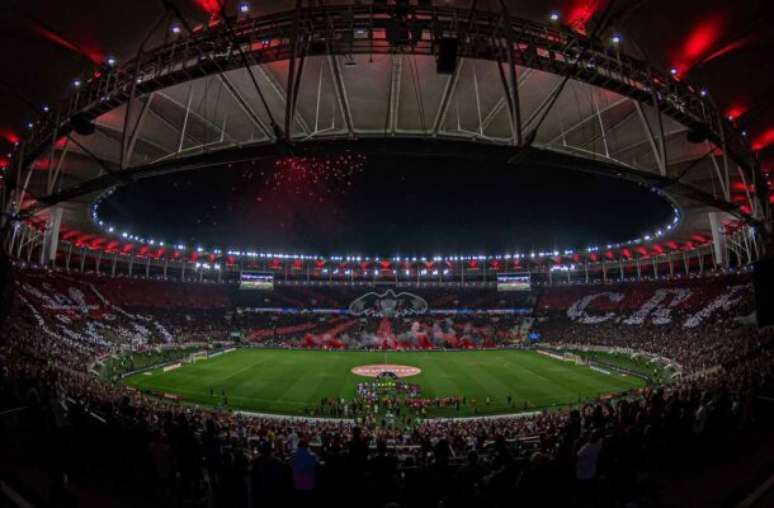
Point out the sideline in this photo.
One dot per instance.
(505, 416)
(273, 416)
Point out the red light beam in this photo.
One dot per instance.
(580, 12)
(92, 54)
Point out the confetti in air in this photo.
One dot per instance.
(316, 178)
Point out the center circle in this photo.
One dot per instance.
(377, 369)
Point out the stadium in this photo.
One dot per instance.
(387, 253)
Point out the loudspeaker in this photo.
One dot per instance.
(447, 55)
(82, 124)
(763, 281)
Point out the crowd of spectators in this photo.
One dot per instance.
(698, 324)
(592, 455)
(342, 331)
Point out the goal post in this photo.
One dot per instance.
(198, 356)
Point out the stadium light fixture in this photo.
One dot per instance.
(244, 7)
(554, 16)
(45, 109)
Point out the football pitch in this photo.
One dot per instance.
(292, 382)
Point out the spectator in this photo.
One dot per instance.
(304, 466)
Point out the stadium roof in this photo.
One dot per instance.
(724, 46)
(361, 94)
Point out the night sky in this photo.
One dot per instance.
(384, 205)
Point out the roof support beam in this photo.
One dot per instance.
(245, 107)
(632, 146)
(394, 99)
(661, 138)
(125, 152)
(185, 118)
(117, 131)
(199, 117)
(724, 154)
(586, 119)
(281, 94)
(477, 96)
(341, 92)
(448, 93)
(50, 175)
(59, 165)
(602, 129)
(513, 79)
(170, 125)
(660, 162)
(290, 85)
(753, 202)
(533, 116)
(127, 157)
(489, 117)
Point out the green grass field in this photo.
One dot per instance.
(290, 382)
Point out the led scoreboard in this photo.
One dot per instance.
(254, 280)
(514, 282)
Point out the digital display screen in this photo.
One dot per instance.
(513, 282)
(261, 281)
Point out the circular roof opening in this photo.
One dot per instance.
(385, 203)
